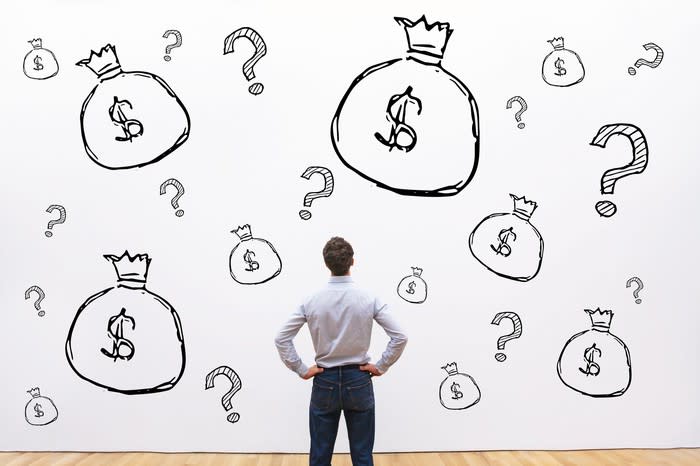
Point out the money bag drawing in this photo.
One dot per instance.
(40, 410)
(40, 63)
(407, 124)
(126, 338)
(458, 391)
(562, 67)
(253, 260)
(595, 362)
(507, 244)
(131, 118)
(413, 288)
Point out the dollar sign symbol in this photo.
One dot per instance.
(411, 287)
(503, 237)
(248, 258)
(402, 136)
(38, 411)
(561, 71)
(592, 368)
(456, 394)
(122, 348)
(37, 63)
(132, 128)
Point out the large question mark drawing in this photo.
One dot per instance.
(178, 42)
(180, 191)
(260, 51)
(638, 165)
(523, 107)
(517, 331)
(61, 218)
(650, 64)
(37, 303)
(325, 192)
(640, 285)
(236, 385)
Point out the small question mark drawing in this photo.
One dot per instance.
(37, 303)
(180, 191)
(517, 331)
(650, 64)
(640, 286)
(640, 158)
(523, 107)
(178, 42)
(260, 51)
(235, 387)
(61, 218)
(325, 192)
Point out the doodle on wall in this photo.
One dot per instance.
(180, 191)
(516, 333)
(413, 288)
(640, 285)
(126, 338)
(595, 362)
(253, 260)
(458, 390)
(39, 63)
(507, 244)
(40, 410)
(327, 190)
(61, 218)
(562, 67)
(236, 385)
(260, 51)
(519, 113)
(130, 118)
(170, 47)
(407, 124)
(37, 303)
(651, 64)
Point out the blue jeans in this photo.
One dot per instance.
(346, 389)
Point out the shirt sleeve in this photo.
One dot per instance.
(284, 343)
(397, 341)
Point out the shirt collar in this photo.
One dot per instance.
(342, 279)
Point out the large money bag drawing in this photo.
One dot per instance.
(126, 338)
(458, 391)
(131, 118)
(413, 288)
(40, 410)
(253, 260)
(562, 67)
(595, 362)
(39, 63)
(507, 244)
(407, 124)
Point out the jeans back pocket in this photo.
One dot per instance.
(359, 397)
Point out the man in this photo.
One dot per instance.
(340, 321)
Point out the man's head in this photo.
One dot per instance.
(338, 256)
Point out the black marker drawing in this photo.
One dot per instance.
(562, 67)
(413, 288)
(178, 42)
(260, 51)
(458, 390)
(61, 218)
(651, 64)
(126, 338)
(516, 333)
(253, 260)
(640, 285)
(640, 157)
(39, 63)
(507, 244)
(236, 385)
(180, 191)
(131, 118)
(518, 114)
(37, 303)
(327, 190)
(40, 410)
(407, 124)
(595, 362)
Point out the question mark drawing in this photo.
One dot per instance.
(235, 387)
(180, 191)
(523, 107)
(640, 285)
(325, 192)
(517, 331)
(37, 303)
(638, 165)
(260, 51)
(178, 42)
(650, 64)
(61, 218)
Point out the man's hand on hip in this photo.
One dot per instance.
(313, 370)
(372, 369)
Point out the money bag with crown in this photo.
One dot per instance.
(507, 244)
(131, 118)
(40, 410)
(253, 260)
(562, 67)
(595, 362)
(126, 338)
(413, 288)
(40, 63)
(407, 124)
(458, 391)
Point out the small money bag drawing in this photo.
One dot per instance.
(407, 124)
(562, 67)
(126, 338)
(253, 260)
(40, 63)
(458, 391)
(507, 244)
(40, 410)
(413, 288)
(131, 118)
(595, 362)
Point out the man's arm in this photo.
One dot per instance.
(285, 346)
(397, 341)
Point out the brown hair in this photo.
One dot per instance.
(337, 254)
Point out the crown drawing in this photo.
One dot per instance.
(522, 207)
(243, 232)
(429, 39)
(417, 271)
(451, 368)
(36, 43)
(102, 62)
(130, 268)
(34, 392)
(600, 319)
(557, 43)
